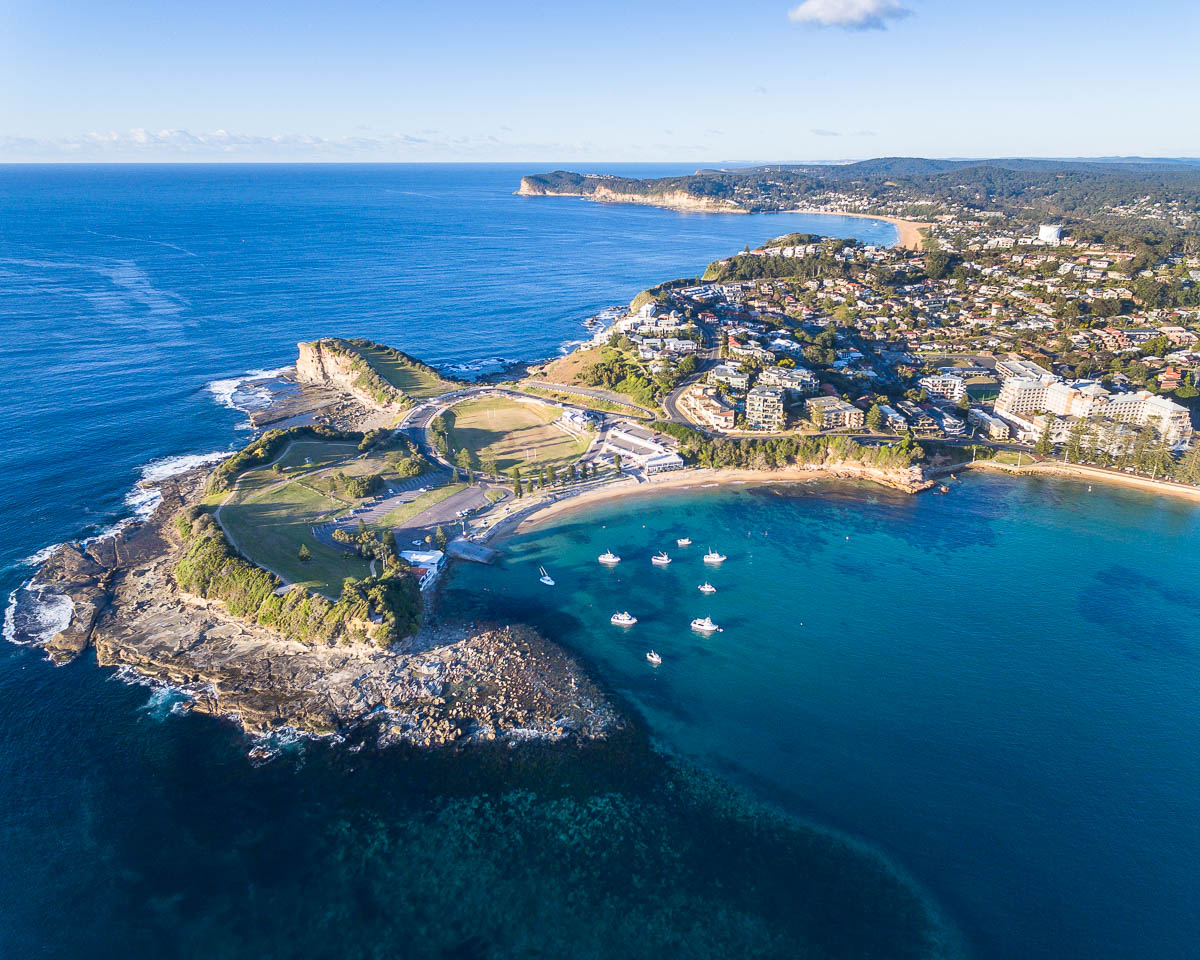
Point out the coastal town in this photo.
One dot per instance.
(988, 336)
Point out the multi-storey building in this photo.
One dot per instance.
(835, 413)
(764, 408)
(944, 387)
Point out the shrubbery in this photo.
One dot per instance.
(211, 569)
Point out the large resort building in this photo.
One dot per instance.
(1024, 402)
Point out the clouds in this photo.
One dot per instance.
(849, 14)
(179, 144)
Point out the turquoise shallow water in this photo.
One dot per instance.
(998, 687)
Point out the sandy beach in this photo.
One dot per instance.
(699, 478)
(910, 230)
(1081, 472)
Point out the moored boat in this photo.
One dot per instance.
(545, 577)
(623, 619)
(705, 625)
(660, 559)
(683, 542)
(654, 658)
(707, 587)
(609, 557)
(713, 557)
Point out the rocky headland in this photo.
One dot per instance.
(449, 683)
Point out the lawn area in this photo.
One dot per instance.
(1012, 457)
(514, 432)
(566, 369)
(269, 516)
(407, 511)
(414, 381)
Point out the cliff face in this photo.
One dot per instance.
(324, 363)
(602, 193)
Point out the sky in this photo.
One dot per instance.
(704, 81)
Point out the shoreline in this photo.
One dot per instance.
(1078, 471)
(909, 230)
(701, 477)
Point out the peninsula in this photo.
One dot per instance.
(294, 584)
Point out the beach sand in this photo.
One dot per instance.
(910, 230)
(694, 479)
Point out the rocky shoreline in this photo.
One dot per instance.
(452, 683)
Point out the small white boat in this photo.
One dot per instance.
(623, 619)
(713, 557)
(609, 557)
(705, 625)
(683, 542)
(654, 658)
(545, 577)
(660, 559)
(707, 587)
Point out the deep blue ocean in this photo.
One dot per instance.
(970, 726)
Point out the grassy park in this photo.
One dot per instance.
(513, 433)
(269, 521)
(396, 369)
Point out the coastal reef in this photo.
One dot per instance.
(446, 683)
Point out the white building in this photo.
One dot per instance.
(426, 564)
(990, 426)
(944, 387)
(642, 447)
(1025, 396)
(764, 408)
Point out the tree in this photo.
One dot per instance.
(816, 416)
(439, 538)
(875, 419)
(515, 473)
(964, 402)
(1045, 445)
(490, 466)
(617, 462)
(304, 554)
(465, 460)
(1075, 440)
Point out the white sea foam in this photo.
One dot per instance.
(37, 559)
(34, 615)
(244, 393)
(487, 365)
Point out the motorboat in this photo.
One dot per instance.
(705, 625)
(713, 557)
(654, 658)
(683, 542)
(707, 587)
(660, 559)
(623, 619)
(545, 577)
(609, 557)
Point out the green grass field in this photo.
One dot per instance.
(414, 381)
(270, 524)
(513, 432)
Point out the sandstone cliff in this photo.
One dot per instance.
(332, 363)
(601, 193)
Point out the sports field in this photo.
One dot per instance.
(514, 433)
